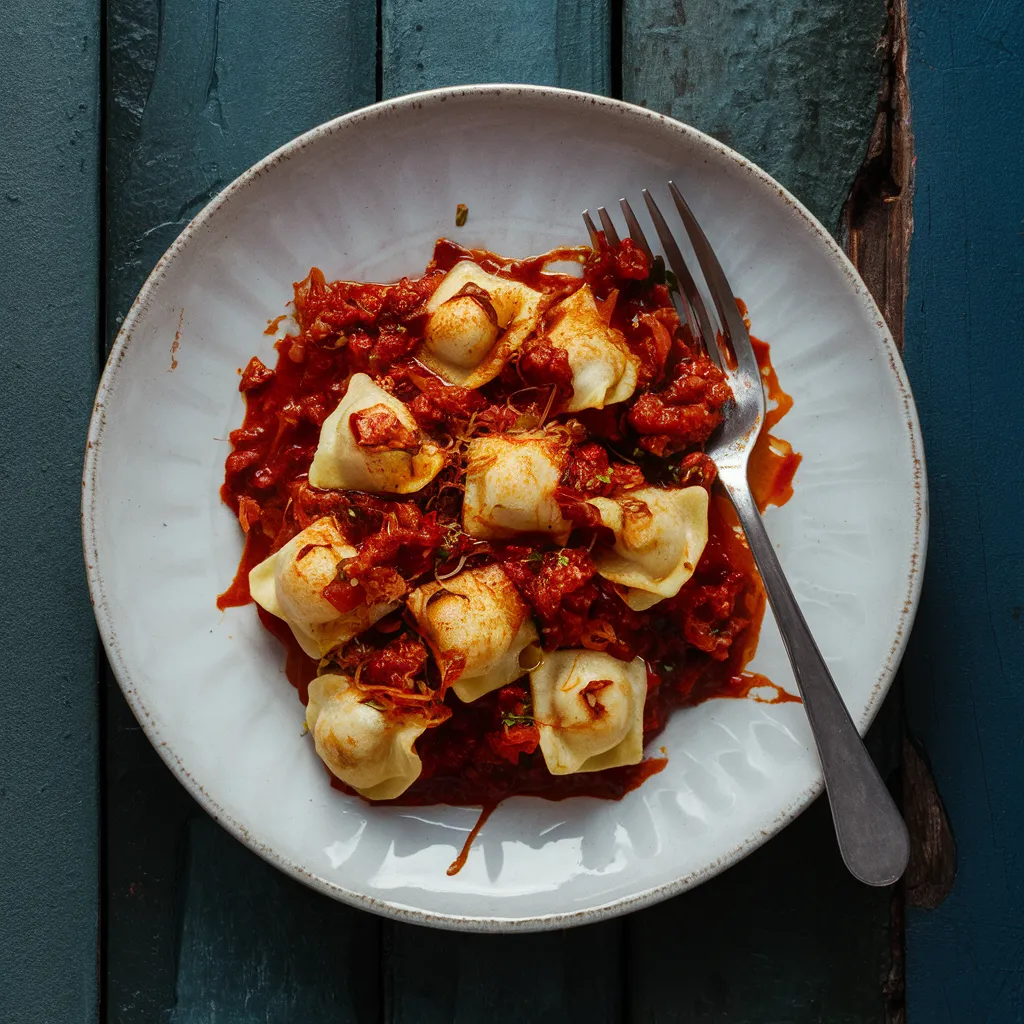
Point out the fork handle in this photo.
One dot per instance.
(872, 837)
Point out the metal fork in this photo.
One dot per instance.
(872, 837)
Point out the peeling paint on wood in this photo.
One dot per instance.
(202, 89)
(790, 85)
(49, 350)
(878, 217)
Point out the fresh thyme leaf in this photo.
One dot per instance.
(563, 560)
(461, 213)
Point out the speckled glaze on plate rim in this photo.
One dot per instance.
(426, 101)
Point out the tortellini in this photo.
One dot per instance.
(604, 371)
(476, 322)
(510, 484)
(660, 535)
(367, 748)
(290, 584)
(589, 709)
(477, 625)
(371, 442)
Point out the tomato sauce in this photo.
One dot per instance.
(696, 645)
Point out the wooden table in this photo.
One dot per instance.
(120, 900)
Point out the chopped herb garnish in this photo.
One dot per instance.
(352, 512)
(672, 281)
(563, 560)
(461, 213)
(604, 478)
(534, 559)
(443, 554)
(509, 719)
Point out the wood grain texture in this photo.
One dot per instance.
(49, 350)
(198, 91)
(965, 355)
(427, 44)
(790, 85)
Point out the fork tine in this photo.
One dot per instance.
(721, 294)
(635, 231)
(591, 230)
(609, 228)
(685, 278)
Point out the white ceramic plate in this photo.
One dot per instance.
(364, 197)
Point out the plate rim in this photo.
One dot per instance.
(97, 424)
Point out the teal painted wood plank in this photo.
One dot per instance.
(259, 946)
(198, 91)
(787, 936)
(790, 85)
(427, 43)
(965, 355)
(442, 976)
(570, 977)
(49, 350)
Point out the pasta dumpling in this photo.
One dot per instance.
(367, 748)
(604, 371)
(371, 442)
(478, 628)
(510, 485)
(290, 584)
(659, 538)
(589, 709)
(476, 321)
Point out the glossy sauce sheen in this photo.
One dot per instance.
(696, 645)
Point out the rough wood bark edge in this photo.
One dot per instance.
(877, 225)
(877, 220)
